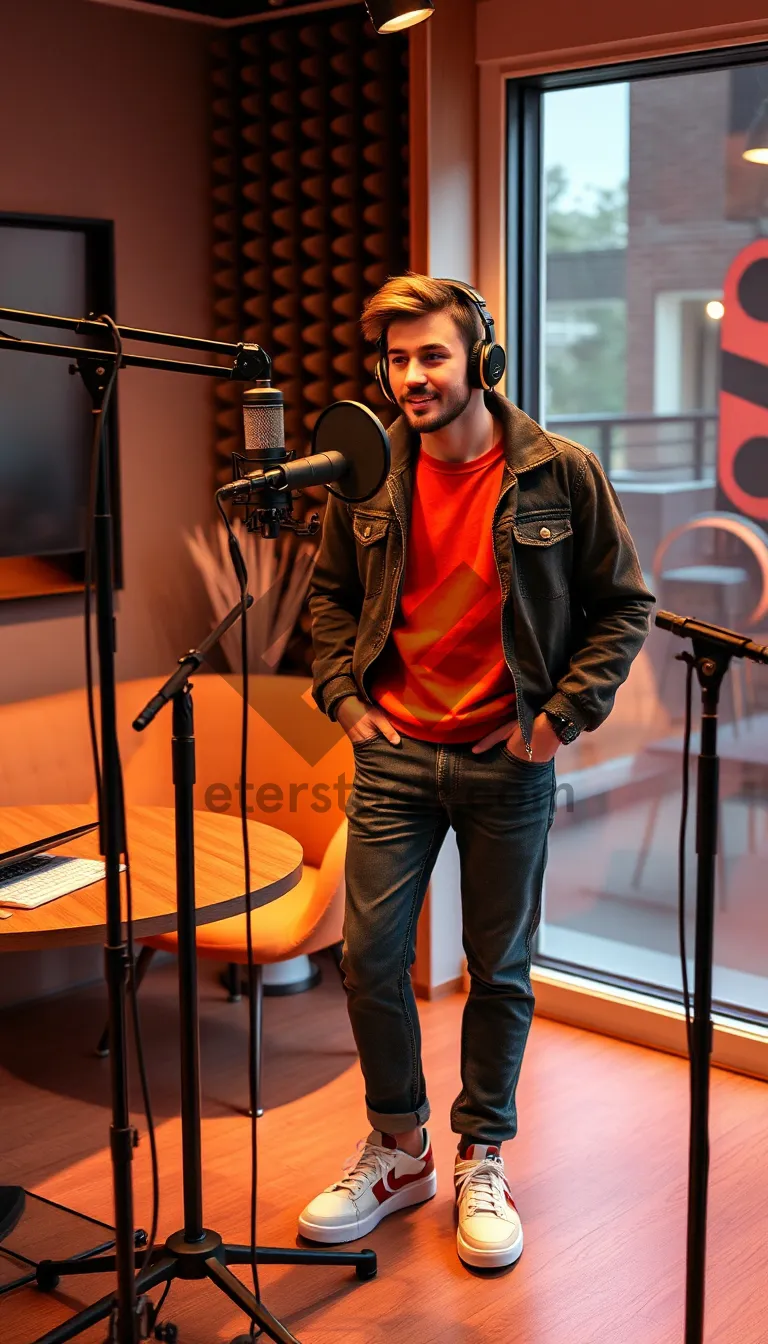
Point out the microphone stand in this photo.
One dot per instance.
(128, 1323)
(713, 648)
(129, 1311)
(194, 1252)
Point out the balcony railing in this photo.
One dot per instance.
(674, 447)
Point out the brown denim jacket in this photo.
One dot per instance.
(575, 609)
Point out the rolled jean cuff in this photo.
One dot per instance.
(399, 1123)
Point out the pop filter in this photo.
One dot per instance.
(348, 428)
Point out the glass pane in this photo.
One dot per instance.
(656, 264)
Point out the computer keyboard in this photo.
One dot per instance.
(42, 877)
(24, 866)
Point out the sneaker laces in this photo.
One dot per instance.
(369, 1161)
(484, 1185)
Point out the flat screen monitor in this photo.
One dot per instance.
(62, 267)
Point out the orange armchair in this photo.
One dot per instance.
(300, 770)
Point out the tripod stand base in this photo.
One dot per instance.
(206, 1258)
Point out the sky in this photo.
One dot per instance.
(587, 131)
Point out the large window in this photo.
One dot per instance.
(635, 225)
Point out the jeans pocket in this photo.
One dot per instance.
(366, 741)
(523, 761)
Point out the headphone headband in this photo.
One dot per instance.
(465, 291)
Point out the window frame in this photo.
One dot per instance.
(523, 196)
(564, 983)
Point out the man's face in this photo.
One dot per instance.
(427, 361)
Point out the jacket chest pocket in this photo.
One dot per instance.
(543, 554)
(371, 533)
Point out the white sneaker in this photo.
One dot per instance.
(490, 1234)
(378, 1179)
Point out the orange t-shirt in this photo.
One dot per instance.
(442, 676)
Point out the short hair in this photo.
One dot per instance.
(413, 295)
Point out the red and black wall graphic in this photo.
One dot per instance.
(743, 438)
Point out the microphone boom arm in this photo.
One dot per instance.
(249, 361)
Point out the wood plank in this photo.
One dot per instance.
(598, 1170)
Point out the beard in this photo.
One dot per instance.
(438, 414)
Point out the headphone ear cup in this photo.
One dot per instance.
(382, 378)
(493, 364)
(475, 364)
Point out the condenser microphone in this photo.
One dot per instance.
(263, 425)
(350, 447)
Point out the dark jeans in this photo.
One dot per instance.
(403, 800)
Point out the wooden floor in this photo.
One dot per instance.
(598, 1171)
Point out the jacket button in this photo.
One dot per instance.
(545, 533)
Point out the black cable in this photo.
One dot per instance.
(163, 1296)
(690, 663)
(241, 571)
(98, 446)
(98, 426)
(161, 1301)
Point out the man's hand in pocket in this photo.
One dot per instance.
(544, 740)
(361, 721)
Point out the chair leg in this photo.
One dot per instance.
(231, 982)
(749, 688)
(256, 1011)
(751, 827)
(142, 966)
(645, 845)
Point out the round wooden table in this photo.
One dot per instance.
(80, 917)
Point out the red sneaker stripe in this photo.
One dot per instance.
(382, 1192)
(379, 1192)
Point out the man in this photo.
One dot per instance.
(480, 610)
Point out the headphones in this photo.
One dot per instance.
(487, 360)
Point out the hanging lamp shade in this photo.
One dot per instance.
(756, 147)
(391, 16)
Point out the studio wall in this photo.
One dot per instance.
(561, 35)
(105, 113)
(444, 142)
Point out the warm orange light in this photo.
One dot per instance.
(406, 20)
(391, 16)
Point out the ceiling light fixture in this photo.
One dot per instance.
(391, 16)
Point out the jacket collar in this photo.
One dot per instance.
(525, 443)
